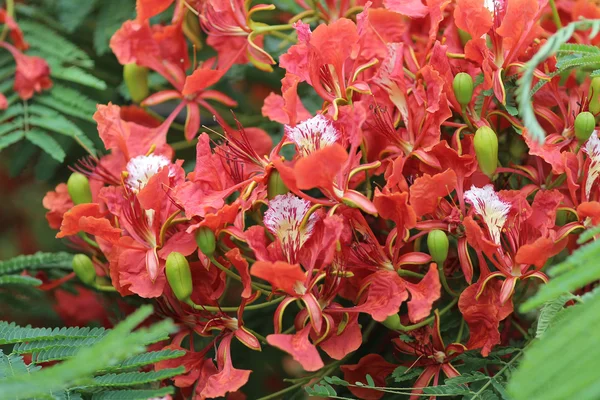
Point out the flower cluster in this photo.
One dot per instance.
(414, 191)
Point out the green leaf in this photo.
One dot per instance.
(402, 373)
(467, 378)
(549, 311)
(119, 344)
(143, 394)
(135, 378)
(11, 138)
(72, 14)
(19, 280)
(69, 102)
(38, 260)
(79, 76)
(552, 45)
(12, 333)
(46, 143)
(563, 363)
(580, 269)
(578, 48)
(110, 18)
(146, 359)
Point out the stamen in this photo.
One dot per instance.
(488, 205)
(313, 134)
(141, 168)
(284, 218)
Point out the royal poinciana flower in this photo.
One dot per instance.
(324, 231)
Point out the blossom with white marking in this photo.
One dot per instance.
(313, 134)
(284, 219)
(592, 149)
(141, 168)
(488, 206)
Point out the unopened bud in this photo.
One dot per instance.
(585, 124)
(392, 322)
(437, 242)
(136, 80)
(84, 269)
(275, 187)
(205, 238)
(486, 150)
(594, 96)
(78, 187)
(179, 276)
(463, 88)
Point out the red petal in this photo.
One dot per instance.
(228, 379)
(58, 203)
(538, 252)
(192, 121)
(281, 275)
(426, 191)
(200, 79)
(423, 294)
(394, 206)
(473, 17)
(476, 238)
(299, 347)
(147, 9)
(385, 293)
(241, 265)
(371, 364)
(339, 345)
(320, 168)
(88, 218)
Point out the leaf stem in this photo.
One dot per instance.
(10, 10)
(555, 15)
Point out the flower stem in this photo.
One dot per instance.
(445, 282)
(555, 15)
(10, 10)
(233, 275)
(235, 309)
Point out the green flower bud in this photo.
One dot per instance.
(78, 187)
(276, 186)
(585, 123)
(205, 238)
(437, 242)
(84, 269)
(392, 322)
(136, 79)
(179, 276)
(463, 88)
(486, 150)
(595, 96)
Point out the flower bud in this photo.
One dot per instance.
(594, 96)
(463, 88)
(84, 269)
(78, 187)
(136, 79)
(179, 276)
(205, 238)
(585, 123)
(437, 242)
(486, 150)
(276, 186)
(392, 322)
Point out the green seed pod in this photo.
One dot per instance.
(584, 126)
(78, 187)
(84, 269)
(594, 96)
(486, 150)
(392, 322)
(463, 88)
(437, 242)
(179, 276)
(136, 79)
(205, 238)
(276, 186)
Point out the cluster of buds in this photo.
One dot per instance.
(412, 140)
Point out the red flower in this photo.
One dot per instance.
(372, 364)
(32, 74)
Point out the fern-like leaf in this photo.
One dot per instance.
(142, 394)
(135, 378)
(19, 280)
(38, 260)
(46, 143)
(12, 333)
(146, 359)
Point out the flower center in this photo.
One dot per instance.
(488, 205)
(141, 168)
(284, 219)
(313, 134)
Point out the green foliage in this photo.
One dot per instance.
(19, 280)
(572, 56)
(564, 361)
(39, 260)
(549, 311)
(92, 357)
(580, 269)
